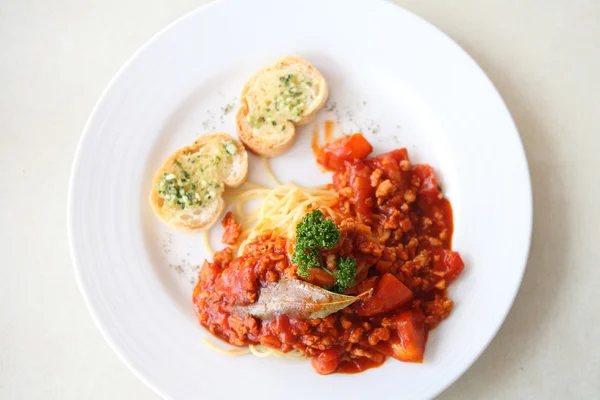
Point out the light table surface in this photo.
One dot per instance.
(57, 56)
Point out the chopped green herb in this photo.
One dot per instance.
(345, 274)
(313, 235)
(227, 109)
(183, 171)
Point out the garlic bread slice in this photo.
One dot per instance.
(187, 192)
(275, 101)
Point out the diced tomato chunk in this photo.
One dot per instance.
(334, 154)
(429, 186)
(359, 179)
(327, 361)
(389, 164)
(407, 343)
(284, 329)
(394, 156)
(389, 294)
(450, 264)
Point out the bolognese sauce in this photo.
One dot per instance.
(397, 225)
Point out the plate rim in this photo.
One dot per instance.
(113, 81)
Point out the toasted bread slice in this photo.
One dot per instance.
(187, 192)
(275, 101)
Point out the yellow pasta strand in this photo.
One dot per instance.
(231, 352)
(207, 245)
(270, 172)
(281, 210)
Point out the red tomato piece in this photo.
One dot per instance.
(429, 186)
(389, 164)
(389, 294)
(450, 264)
(334, 154)
(327, 361)
(359, 179)
(407, 343)
(284, 329)
(394, 156)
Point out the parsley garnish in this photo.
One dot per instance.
(345, 274)
(313, 235)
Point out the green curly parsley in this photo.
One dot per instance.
(313, 235)
(345, 274)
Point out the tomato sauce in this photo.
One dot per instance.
(397, 225)
(329, 133)
(232, 230)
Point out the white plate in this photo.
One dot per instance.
(392, 75)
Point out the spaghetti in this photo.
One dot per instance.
(280, 210)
